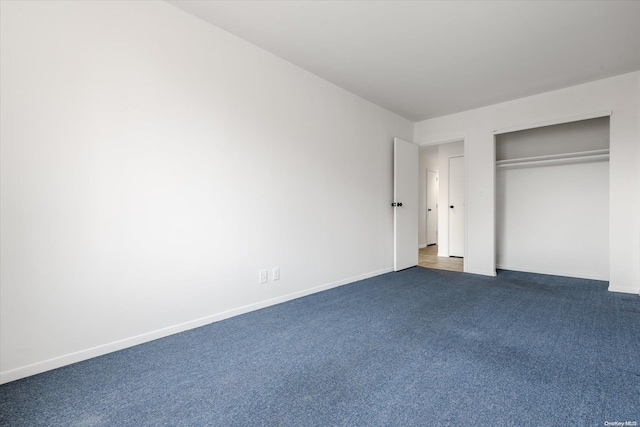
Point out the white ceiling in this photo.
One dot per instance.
(423, 59)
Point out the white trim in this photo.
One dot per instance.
(424, 245)
(78, 356)
(623, 290)
(559, 121)
(491, 273)
(494, 232)
(443, 141)
(465, 267)
(552, 273)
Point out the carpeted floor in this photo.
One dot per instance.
(415, 348)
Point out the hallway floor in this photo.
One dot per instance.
(428, 258)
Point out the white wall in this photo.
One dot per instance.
(583, 135)
(152, 164)
(428, 161)
(619, 94)
(554, 220)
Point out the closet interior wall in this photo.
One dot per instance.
(552, 199)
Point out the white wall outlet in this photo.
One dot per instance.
(263, 276)
(276, 273)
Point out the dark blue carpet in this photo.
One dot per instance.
(415, 348)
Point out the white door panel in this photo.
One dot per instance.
(456, 206)
(432, 211)
(405, 199)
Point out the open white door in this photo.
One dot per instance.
(405, 204)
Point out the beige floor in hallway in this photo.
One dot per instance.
(429, 258)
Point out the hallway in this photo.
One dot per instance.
(428, 258)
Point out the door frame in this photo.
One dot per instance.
(465, 140)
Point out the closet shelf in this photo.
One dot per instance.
(555, 159)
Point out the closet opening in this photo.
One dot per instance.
(552, 199)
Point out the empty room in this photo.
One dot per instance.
(217, 213)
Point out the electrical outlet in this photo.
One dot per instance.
(276, 273)
(263, 276)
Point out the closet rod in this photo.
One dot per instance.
(555, 159)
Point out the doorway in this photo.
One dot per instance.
(428, 258)
(442, 184)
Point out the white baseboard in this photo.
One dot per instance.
(68, 359)
(422, 246)
(553, 273)
(624, 290)
(491, 273)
